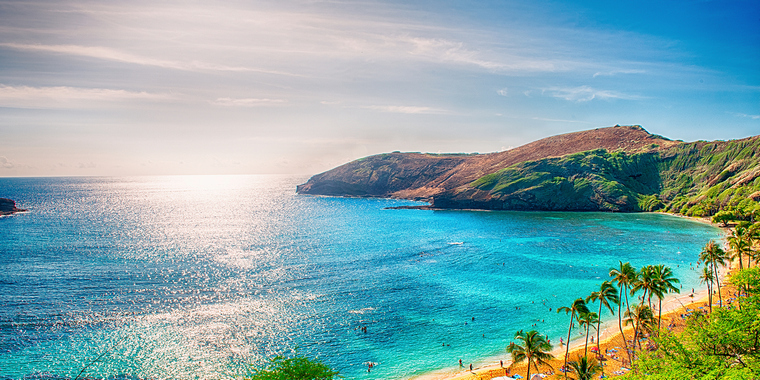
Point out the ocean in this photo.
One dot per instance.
(201, 277)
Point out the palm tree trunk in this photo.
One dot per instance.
(527, 375)
(717, 280)
(598, 324)
(659, 316)
(635, 335)
(625, 341)
(567, 344)
(585, 349)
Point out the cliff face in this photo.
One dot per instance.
(609, 169)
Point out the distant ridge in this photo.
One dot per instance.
(620, 168)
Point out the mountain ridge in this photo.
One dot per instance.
(620, 168)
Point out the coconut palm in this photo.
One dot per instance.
(586, 321)
(585, 368)
(739, 244)
(535, 349)
(624, 276)
(576, 308)
(664, 282)
(707, 278)
(753, 235)
(645, 281)
(607, 295)
(642, 318)
(713, 256)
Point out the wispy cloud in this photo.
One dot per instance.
(5, 163)
(116, 55)
(744, 115)
(502, 92)
(409, 110)
(247, 102)
(61, 96)
(616, 72)
(560, 120)
(586, 93)
(457, 52)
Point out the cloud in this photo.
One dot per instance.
(5, 163)
(452, 51)
(615, 72)
(409, 110)
(111, 54)
(62, 96)
(744, 115)
(247, 102)
(586, 93)
(502, 92)
(560, 120)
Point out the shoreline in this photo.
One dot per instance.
(490, 367)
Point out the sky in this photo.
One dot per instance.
(157, 87)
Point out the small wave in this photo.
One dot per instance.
(361, 311)
(456, 243)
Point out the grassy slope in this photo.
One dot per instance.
(696, 179)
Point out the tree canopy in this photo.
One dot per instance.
(722, 345)
(295, 368)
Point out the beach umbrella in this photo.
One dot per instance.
(594, 349)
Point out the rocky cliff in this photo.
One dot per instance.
(611, 169)
(8, 207)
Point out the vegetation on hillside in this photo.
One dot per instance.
(697, 179)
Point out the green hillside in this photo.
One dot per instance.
(695, 179)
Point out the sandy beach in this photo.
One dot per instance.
(615, 362)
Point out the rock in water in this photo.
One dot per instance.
(8, 207)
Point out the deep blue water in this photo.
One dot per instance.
(201, 276)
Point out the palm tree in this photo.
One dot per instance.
(739, 244)
(753, 235)
(586, 368)
(588, 320)
(578, 307)
(624, 275)
(707, 278)
(642, 319)
(713, 255)
(606, 296)
(664, 281)
(645, 281)
(535, 349)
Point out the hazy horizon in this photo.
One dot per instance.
(299, 87)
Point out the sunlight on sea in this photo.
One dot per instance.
(201, 276)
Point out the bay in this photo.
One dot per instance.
(183, 277)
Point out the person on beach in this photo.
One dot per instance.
(460, 363)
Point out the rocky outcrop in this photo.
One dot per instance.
(8, 207)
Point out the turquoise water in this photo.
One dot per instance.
(198, 277)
